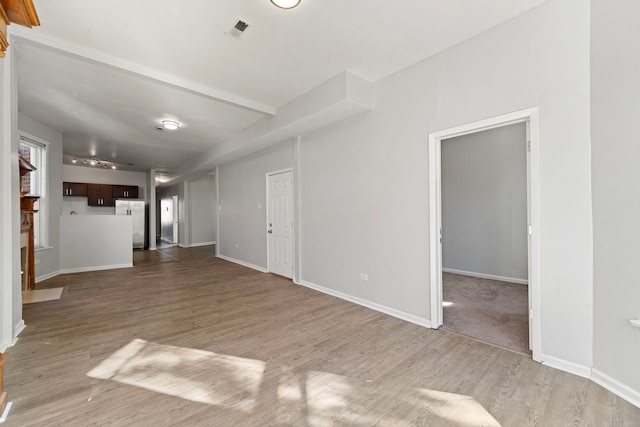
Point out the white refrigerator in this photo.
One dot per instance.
(136, 209)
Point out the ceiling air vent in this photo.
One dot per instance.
(240, 27)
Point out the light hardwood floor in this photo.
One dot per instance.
(186, 339)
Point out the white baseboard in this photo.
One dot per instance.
(566, 366)
(47, 276)
(96, 268)
(616, 387)
(486, 276)
(195, 245)
(246, 264)
(372, 305)
(18, 329)
(167, 241)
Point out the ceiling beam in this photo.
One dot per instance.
(339, 98)
(140, 71)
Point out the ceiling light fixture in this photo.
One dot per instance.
(170, 124)
(285, 4)
(94, 161)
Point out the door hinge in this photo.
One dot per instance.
(528, 145)
(530, 230)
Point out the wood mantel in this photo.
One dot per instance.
(3, 394)
(27, 209)
(21, 12)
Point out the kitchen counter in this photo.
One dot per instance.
(95, 242)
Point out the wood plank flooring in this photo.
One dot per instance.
(186, 339)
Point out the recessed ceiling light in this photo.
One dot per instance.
(170, 124)
(285, 4)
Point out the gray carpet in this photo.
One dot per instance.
(488, 310)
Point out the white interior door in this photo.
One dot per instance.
(280, 223)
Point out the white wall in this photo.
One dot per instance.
(364, 182)
(202, 197)
(242, 203)
(615, 86)
(484, 203)
(79, 205)
(47, 259)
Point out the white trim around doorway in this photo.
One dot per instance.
(531, 117)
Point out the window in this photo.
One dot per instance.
(35, 183)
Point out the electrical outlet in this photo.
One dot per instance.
(364, 276)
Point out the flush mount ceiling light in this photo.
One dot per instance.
(285, 4)
(170, 124)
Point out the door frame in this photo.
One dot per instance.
(529, 116)
(293, 208)
(175, 200)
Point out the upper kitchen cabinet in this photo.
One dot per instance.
(125, 192)
(100, 195)
(78, 189)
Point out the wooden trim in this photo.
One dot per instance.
(4, 22)
(21, 12)
(3, 394)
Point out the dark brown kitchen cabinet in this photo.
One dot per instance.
(77, 189)
(100, 195)
(125, 192)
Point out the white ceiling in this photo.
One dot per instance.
(105, 73)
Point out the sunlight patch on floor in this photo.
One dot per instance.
(41, 295)
(191, 374)
(335, 399)
(456, 408)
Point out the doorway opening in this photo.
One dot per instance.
(280, 225)
(527, 269)
(175, 220)
(168, 222)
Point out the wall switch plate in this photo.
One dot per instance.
(364, 276)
